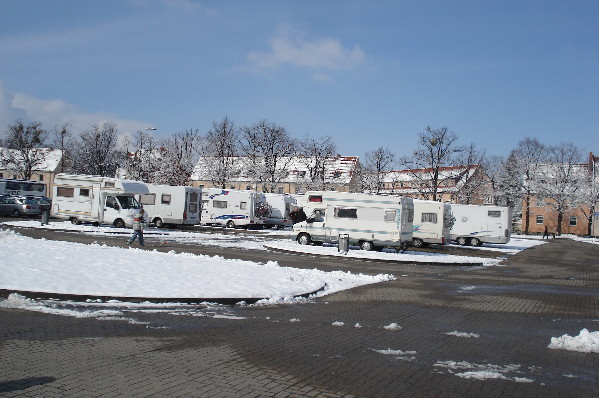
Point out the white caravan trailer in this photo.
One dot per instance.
(475, 225)
(233, 208)
(371, 221)
(166, 204)
(432, 223)
(96, 199)
(280, 205)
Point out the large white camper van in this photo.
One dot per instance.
(432, 223)
(280, 205)
(371, 221)
(172, 205)
(233, 208)
(475, 225)
(96, 199)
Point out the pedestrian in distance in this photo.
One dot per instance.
(546, 233)
(139, 220)
(298, 215)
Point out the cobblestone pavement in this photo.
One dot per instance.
(341, 345)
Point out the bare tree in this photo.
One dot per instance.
(316, 154)
(436, 149)
(560, 179)
(63, 141)
(219, 152)
(526, 158)
(376, 164)
(142, 158)
(25, 148)
(474, 177)
(96, 151)
(268, 150)
(180, 154)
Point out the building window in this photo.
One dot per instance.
(41, 177)
(281, 189)
(539, 220)
(572, 221)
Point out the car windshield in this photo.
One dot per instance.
(128, 202)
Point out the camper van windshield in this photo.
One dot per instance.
(128, 202)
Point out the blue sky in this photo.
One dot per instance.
(367, 73)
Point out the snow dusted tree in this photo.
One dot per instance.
(560, 179)
(525, 159)
(315, 155)
(219, 152)
(376, 165)
(436, 149)
(268, 151)
(179, 155)
(63, 141)
(142, 158)
(96, 151)
(474, 178)
(26, 150)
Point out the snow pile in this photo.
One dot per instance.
(585, 342)
(468, 370)
(392, 326)
(463, 334)
(95, 270)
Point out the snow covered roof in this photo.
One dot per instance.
(408, 181)
(339, 169)
(50, 162)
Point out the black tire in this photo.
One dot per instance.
(16, 213)
(475, 242)
(230, 224)
(367, 246)
(118, 223)
(159, 223)
(75, 221)
(418, 243)
(96, 224)
(304, 239)
(461, 241)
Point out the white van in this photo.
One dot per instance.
(280, 205)
(233, 208)
(475, 225)
(170, 205)
(371, 221)
(432, 223)
(96, 199)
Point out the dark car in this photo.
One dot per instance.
(19, 207)
(44, 203)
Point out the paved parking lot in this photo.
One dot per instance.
(434, 331)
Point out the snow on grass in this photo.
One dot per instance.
(585, 342)
(463, 334)
(468, 370)
(74, 268)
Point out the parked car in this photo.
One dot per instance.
(19, 207)
(44, 203)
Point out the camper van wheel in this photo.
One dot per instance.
(118, 223)
(475, 242)
(366, 245)
(96, 224)
(159, 223)
(75, 221)
(304, 239)
(418, 243)
(461, 241)
(230, 224)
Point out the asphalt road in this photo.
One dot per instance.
(334, 346)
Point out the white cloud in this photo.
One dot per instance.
(52, 113)
(289, 48)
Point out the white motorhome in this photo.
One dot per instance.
(280, 205)
(96, 199)
(370, 221)
(432, 223)
(171, 205)
(475, 225)
(233, 208)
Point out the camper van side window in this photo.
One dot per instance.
(109, 184)
(494, 213)
(243, 205)
(166, 199)
(65, 192)
(219, 204)
(147, 199)
(429, 217)
(84, 192)
(343, 212)
(390, 215)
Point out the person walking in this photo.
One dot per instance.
(546, 233)
(138, 227)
